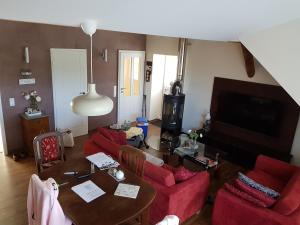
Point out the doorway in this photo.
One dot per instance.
(3, 146)
(164, 72)
(130, 85)
(69, 79)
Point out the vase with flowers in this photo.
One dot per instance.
(193, 136)
(34, 99)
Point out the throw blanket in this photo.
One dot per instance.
(133, 131)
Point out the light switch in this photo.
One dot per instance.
(12, 102)
(115, 91)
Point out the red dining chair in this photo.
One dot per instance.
(48, 150)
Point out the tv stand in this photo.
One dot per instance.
(241, 152)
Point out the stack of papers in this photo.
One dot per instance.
(102, 161)
(127, 190)
(88, 191)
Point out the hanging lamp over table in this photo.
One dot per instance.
(91, 103)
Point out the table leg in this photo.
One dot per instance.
(145, 217)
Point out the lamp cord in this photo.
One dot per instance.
(92, 79)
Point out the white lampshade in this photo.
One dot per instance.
(92, 104)
(89, 27)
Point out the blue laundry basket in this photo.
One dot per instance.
(142, 122)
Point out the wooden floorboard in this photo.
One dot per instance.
(14, 180)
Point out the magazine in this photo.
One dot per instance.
(204, 160)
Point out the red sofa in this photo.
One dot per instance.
(183, 199)
(281, 177)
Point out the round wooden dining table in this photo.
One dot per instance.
(107, 209)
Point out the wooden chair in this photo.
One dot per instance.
(48, 150)
(133, 159)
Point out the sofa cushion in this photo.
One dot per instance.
(269, 201)
(182, 174)
(118, 137)
(290, 196)
(252, 183)
(49, 149)
(267, 180)
(243, 195)
(159, 174)
(108, 146)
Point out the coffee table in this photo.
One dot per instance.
(204, 155)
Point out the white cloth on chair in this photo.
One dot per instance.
(169, 220)
(43, 207)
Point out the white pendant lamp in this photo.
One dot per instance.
(91, 103)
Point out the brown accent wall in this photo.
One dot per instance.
(40, 38)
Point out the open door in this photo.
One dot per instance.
(130, 85)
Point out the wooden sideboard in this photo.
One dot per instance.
(32, 127)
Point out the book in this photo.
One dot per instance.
(127, 190)
(102, 161)
(88, 191)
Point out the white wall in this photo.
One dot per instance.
(207, 59)
(157, 80)
(157, 45)
(278, 50)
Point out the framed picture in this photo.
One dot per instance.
(148, 71)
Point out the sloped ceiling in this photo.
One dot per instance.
(198, 19)
(278, 50)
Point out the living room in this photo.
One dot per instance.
(235, 53)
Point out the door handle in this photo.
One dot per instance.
(123, 89)
(82, 93)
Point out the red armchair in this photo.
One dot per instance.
(280, 176)
(183, 199)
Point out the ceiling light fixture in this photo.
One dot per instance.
(91, 103)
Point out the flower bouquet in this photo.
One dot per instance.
(34, 99)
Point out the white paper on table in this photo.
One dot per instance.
(100, 159)
(88, 191)
(127, 190)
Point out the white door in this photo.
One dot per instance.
(130, 85)
(69, 79)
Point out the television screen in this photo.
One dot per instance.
(257, 114)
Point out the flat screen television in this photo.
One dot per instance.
(257, 114)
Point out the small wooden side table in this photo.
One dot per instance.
(32, 127)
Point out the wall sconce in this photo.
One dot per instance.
(103, 55)
(26, 54)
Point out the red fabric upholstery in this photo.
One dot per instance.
(267, 200)
(183, 199)
(290, 197)
(49, 149)
(267, 180)
(108, 146)
(244, 195)
(230, 209)
(118, 137)
(182, 174)
(159, 174)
